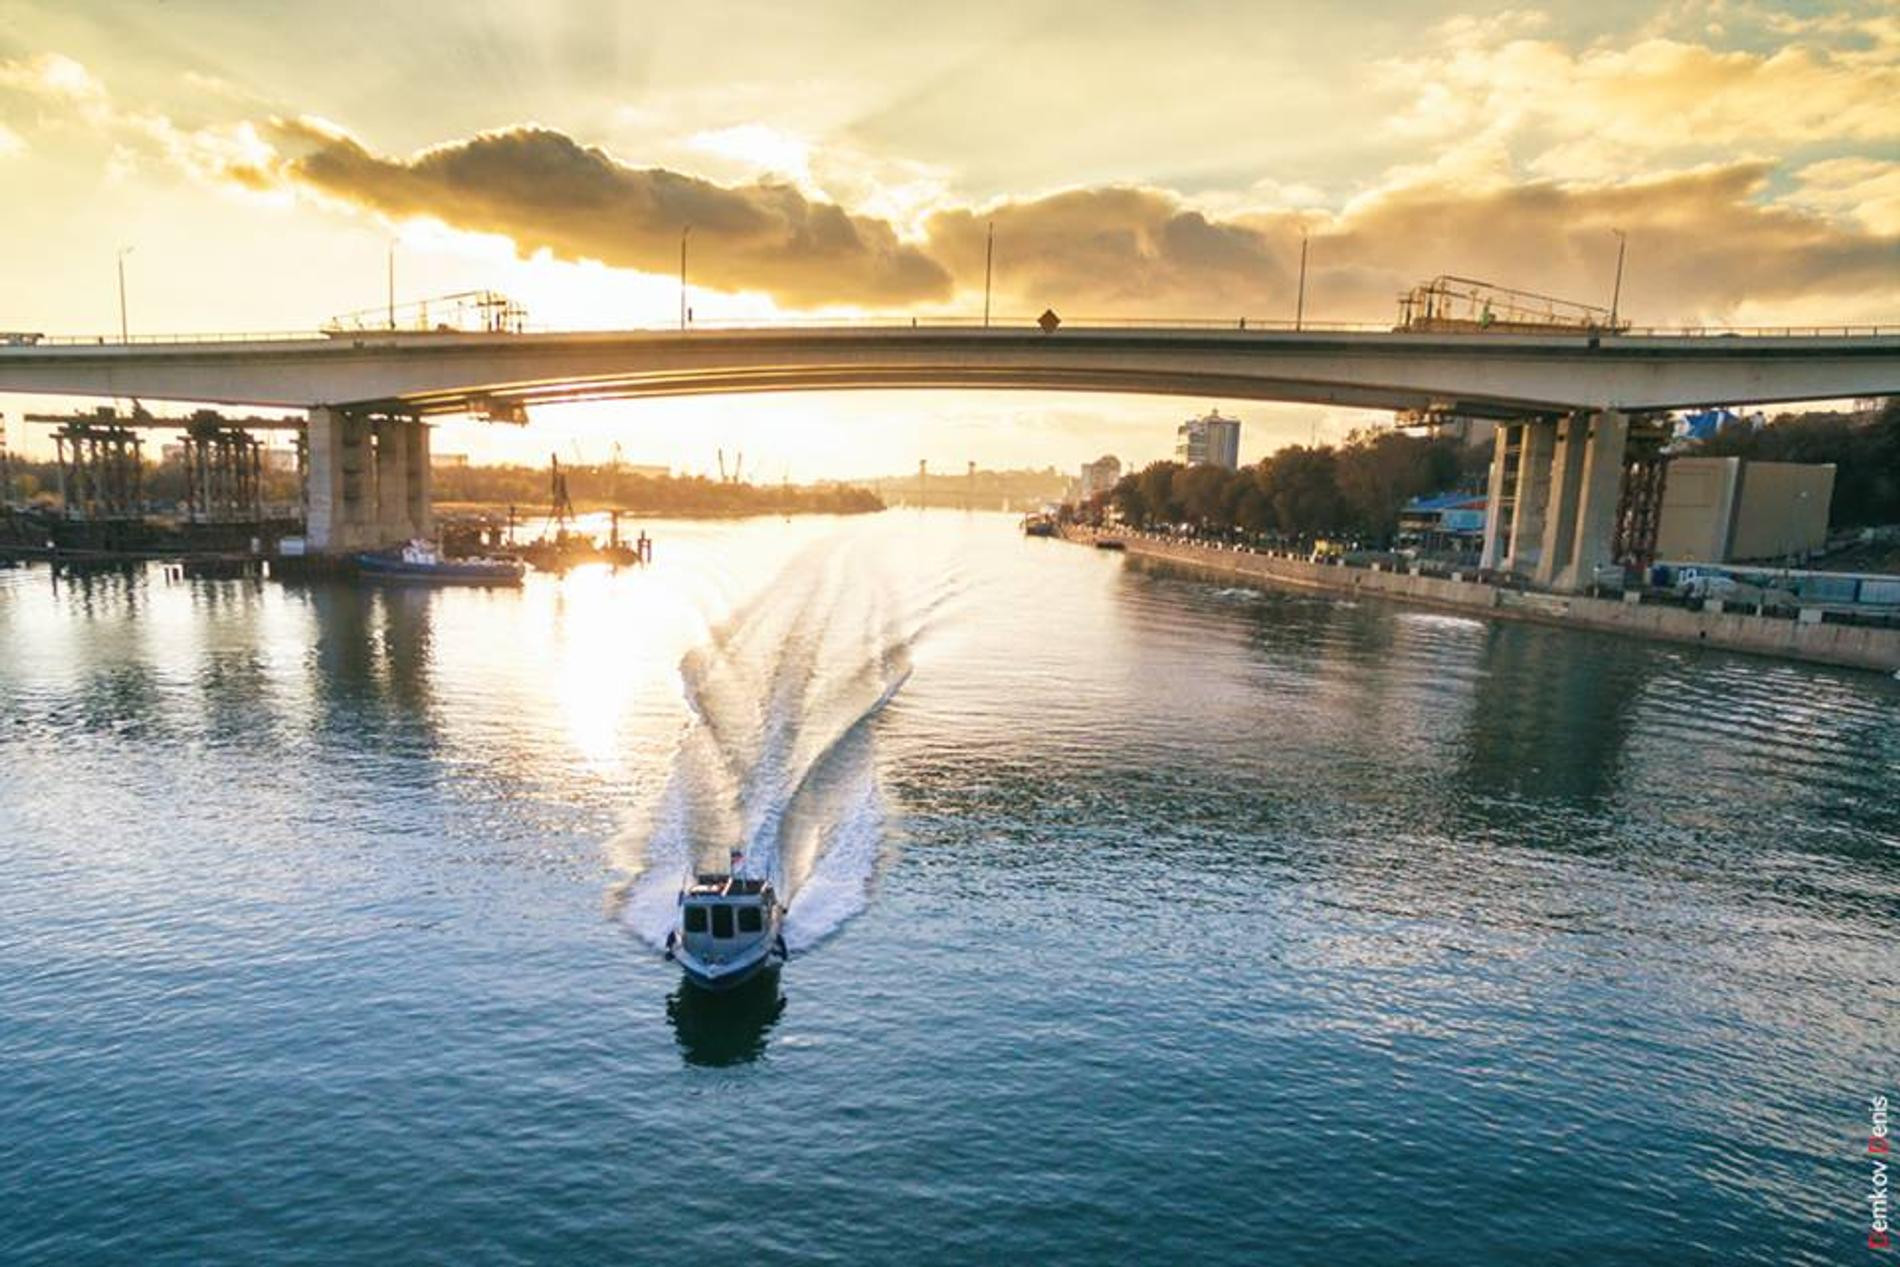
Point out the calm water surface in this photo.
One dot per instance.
(1136, 919)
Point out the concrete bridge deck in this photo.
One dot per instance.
(1481, 375)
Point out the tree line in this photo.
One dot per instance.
(608, 488)
(1354, 489)
(527, 488)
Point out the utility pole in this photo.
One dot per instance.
(124, 334)
(1299, 308)
(1616, 294)
(989, 259)
(684, 234)
(392, 283)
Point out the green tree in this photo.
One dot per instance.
(1301, 486)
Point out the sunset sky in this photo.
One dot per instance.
(1138, 159)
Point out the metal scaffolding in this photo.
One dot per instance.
(224, 472)
(101, 469)
(1639, 502)
(1448, 304)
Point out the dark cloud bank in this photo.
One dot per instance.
(1701, 242)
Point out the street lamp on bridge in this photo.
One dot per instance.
(685, 233)
(124, 335)
(1616, 293)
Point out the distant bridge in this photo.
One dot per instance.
(368, 390)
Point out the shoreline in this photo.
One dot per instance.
(1812, 641)
(500, 510)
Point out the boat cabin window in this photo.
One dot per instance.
(751, 919)
(722, 921)
(695, 919)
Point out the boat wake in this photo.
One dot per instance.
(778, 759)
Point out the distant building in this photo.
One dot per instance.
(1101, 475)
(1212, 440)
(1720, 510)
(1447, 523)
(1702, 424)
(448, 461)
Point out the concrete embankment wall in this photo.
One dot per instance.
(1857, 646)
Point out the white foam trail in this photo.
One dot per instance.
(778, 759)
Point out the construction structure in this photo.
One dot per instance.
(6, 467)
(101, 467)
(1466, 305)
(223, 462)
(466, 311)
(224, 471)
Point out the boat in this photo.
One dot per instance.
(729, 928)
(1039, 526)
(1110, 543)
(419, 560)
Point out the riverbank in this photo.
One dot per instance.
(1808, 637)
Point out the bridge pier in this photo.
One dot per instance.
(1551, 505)
(1599, 488)
(392, 480)
(1560, 507)
(368, 483)
(1536, 441)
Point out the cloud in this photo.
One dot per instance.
(1605, 109)
(1707, 243)
(547, 191)
(52, 76)
(1701, 245)
(1864, 189)
(1703, 241)
(1117, 251)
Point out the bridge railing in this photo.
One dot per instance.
(922, 322)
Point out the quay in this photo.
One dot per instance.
(1808, 636)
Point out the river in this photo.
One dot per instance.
(1135, 918)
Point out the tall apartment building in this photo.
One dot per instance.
(1100, 475)
(1214, 440)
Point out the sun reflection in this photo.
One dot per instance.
(596, 626)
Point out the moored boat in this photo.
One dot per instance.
(420, 561)
(728, 929)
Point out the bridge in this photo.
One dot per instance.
(1566, 396)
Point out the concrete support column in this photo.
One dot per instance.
(339, 481)
(1533, 495)
(1601, 487)
(1560, 514)
(1502, 452)
(392, 481)
(421, 487)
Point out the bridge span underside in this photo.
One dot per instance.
(359, 386)
(1502, 376)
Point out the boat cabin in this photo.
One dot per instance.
(722, 916)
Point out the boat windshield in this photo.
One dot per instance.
(722, 921)
(695, 919)
(751, 919)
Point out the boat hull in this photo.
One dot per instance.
(377, 567)
(730, 976)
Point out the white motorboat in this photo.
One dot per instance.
(728, 929)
